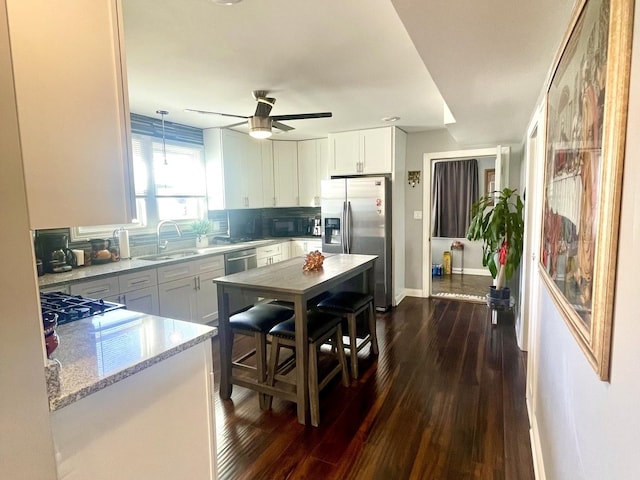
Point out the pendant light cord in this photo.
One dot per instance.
(164, 143)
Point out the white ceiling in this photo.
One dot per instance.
(488, 59)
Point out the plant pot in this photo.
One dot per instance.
(202, 241)
(501, 294)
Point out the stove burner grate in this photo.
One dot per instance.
(74, 307)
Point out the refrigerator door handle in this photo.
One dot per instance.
(349, 227)
(344, 228)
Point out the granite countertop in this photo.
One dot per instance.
(98, 351)
(138, 263)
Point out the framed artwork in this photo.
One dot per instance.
(489, 182)
(587, 100)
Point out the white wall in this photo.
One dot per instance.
(417, 145)
(590, 429)
(26, 446)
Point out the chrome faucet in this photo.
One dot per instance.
(163, 245)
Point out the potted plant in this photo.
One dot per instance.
(497, 220)
(201, 228)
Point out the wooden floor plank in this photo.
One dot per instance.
(444, 400)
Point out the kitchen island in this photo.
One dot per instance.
(130, 396)
(287, 281)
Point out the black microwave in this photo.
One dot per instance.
(288, 227)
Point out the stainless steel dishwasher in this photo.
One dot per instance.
(240, 261)
(235, 262)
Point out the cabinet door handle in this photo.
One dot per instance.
(100, 290)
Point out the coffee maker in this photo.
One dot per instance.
(53, 250)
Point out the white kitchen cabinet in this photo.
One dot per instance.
(106, 288)
(207, 294)
(55, 288)
(187, 292)
(72, 101)
(269, 254)
(144, 300)
(313, 167)
(303, 247)
(364, 152)
(139, 291)
(285, 168)
(285, 250)
(268, 182)
(178, 299)
(164, 413)
(236, 158)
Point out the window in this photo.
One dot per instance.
(166, 188)
(171, 187)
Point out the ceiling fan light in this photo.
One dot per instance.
(260, 127)
(260, 133)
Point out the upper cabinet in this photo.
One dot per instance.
(268, 185)
(73, 112)
(234, 170)
(285, 173)
(362, 152)
(313, 167)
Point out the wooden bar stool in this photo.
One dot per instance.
(349, 305)
(321, 327)
(256, 322)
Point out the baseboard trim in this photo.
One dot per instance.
(473, 271)
(413, 292)
(400, 297)
(536, 452)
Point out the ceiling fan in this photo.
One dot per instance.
(260, 122)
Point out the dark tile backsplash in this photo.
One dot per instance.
(234, 223)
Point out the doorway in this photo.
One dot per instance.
(453, 265)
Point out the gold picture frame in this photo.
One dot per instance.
(587, 102)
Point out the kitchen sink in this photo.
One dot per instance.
(156, 258)
(170, 256)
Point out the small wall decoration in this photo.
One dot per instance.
(414, 177)
(489, 183)
(586, 122)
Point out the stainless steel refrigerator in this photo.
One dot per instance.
(356, 218)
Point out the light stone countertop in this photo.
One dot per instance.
(125, 266)
(98, 351)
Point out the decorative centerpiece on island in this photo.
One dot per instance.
(201, 228)
(313, 261)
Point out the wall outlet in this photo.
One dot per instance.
(417, 214)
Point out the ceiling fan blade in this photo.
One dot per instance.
(302, 116)
(265, 104)
(215, 113)
(280, 126)
(235, 124)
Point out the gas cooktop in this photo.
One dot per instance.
(74, 307)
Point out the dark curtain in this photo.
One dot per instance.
(455, 188)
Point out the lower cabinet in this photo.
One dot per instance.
(139, 291)
(178, 299)
(184, 291)
(164, 413)
(302, 247)
(187, 292)
(105, 288)
(269, 254)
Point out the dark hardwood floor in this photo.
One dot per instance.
(468, 287)
(444, 400)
